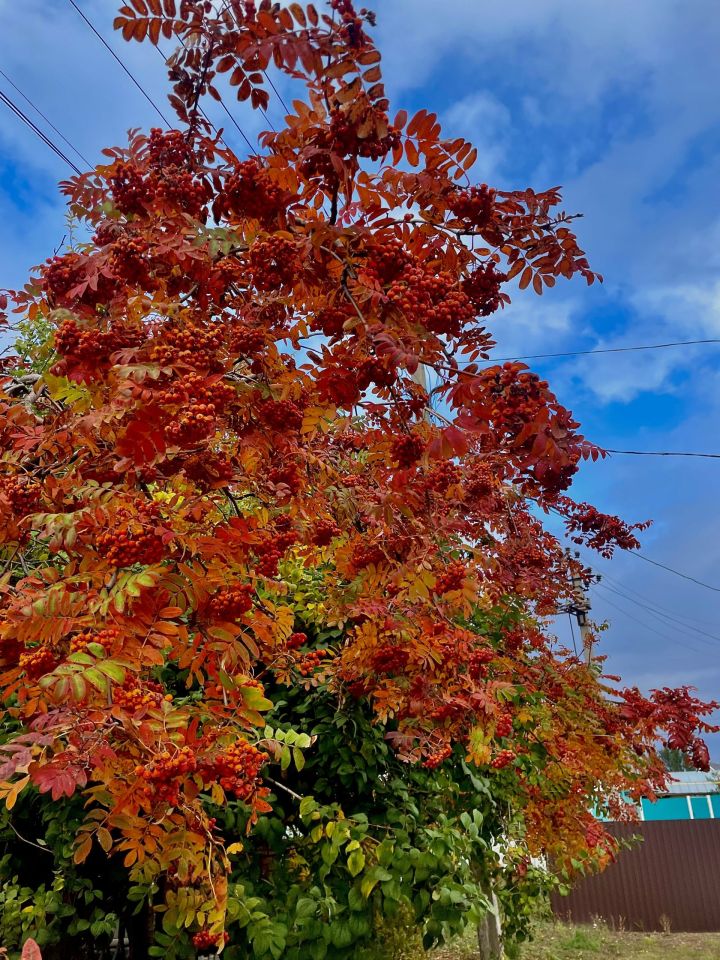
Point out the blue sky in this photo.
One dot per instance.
(615, 100)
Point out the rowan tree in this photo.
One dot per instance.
(236, 410)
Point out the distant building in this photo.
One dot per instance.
(690, 795)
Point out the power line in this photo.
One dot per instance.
(110, 50)
(46, 140)
(584, 353)
(657, 633)
(46, 119)
(665, 618)
(662, 453)
(685, 576)
(635, 596)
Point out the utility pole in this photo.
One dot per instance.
(580, 606)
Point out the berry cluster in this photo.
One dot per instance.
(296, 640)
(407, 448)
(476, 206)
(386, 260)
(129, 260)
(481, 484)
(209, 471)
(478, 662)
(92, 346)
(247, 341)
(503, 759)
(367, 554)
(324, 532)
(331, 320)
(236, 769)
(436, 758)
(168, 181)
(442, 476)
(66, 283)
(161, 776)
(452, 578)
(199, 402)
(482, 288)
(204, 940)
(132, 541)
(286, 475)
(107, 638)
(21, 494)
(134, 696)
(389, 659)
(274, 263)
(189, 344)
(36, 663)
(230, 603)
(346, 125)
(272, 548)
(373, 370)
(312, 661)
(504, 725)
(432, 300)
(251, 192)
(280, 415)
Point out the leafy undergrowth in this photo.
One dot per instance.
(559, 941)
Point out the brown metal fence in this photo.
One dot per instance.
(670, 880)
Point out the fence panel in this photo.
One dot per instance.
(670, 880)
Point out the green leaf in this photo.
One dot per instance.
(356, 862)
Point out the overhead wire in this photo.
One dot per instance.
(110, 50)
(685, 576)
(645, 626)
(33, 126)
(665, 618)
(635, 595)
(662, 453)
(584, 353)
(47, 120)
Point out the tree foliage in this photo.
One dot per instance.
(231, 489)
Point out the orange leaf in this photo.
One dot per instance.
(526, 278)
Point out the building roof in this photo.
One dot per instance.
(692, 782)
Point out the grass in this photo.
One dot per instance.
(560, 941)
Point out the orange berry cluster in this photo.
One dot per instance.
(373, 370)
(296, 640)
(482, 287)
(435, 759)
(312, 661)
(453, 578)
(503, 759)
(209, 471)
(247, 341)
(161, 776)
(236, 769)
(386, 259)
(324, 532)
(251, 192)
(65, 283)
(92, 346)
(21, 494)
(331, 320)
(432, 300)
(204, 940)
(407, 448)
(231, 603)
(199, 402)
(343, 136)
(134, 696)
(131, 541)
(504, 725)
(36, 663)
(478, 661)
(281, 415)
(367, 554)
(286, 475)
(128, 260)
(272, 549)
(168, 181)
(476, 206)
(107, 639)
(482, 483)
(390, 659)
(189, 345)
(442, 476)
(274, 263)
